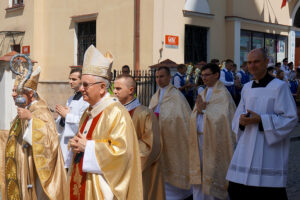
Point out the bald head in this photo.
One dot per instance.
(124, 88)
(128, 80)
(257, 63)
(261, 51)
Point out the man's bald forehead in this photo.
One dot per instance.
(260, 51)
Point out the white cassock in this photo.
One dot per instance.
(172, 192)
(77, 107)
(261, 158)
(197, 189)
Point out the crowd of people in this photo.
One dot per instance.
(229, 141)
(234, 80)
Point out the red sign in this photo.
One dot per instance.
(171, 41)
(26, 50)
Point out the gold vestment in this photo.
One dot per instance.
(150, 144)
(3, 140)
(43, 161)
(117, 152)
(218, 142)
(174, 118)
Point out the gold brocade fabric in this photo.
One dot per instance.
(3, 140)
(117, 152)
(150, 144)
(11, 180)
(42, 161)
(174, 118)
(218, 143)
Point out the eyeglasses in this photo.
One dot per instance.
(206, 75)
(87, 85)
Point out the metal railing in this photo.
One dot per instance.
(146, 85)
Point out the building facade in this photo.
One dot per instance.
(141, 33)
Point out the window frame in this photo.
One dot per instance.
(19, 2)
(82, 49)
(13, 5)
(276, 37)
(191, 47)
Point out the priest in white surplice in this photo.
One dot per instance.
(263, 121)
(69, 116)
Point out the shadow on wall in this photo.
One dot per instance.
(54, 93)
(14, 12)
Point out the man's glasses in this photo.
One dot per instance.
(87, 85)
(206, 75)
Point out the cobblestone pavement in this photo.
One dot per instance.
(293, 183)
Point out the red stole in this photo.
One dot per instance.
(131, 112)
(78, 178)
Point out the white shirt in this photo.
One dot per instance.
(200, 89)
(223, 80)
(286, 70)
(161, 95)
(239, 75)
(177, 80)
(77, 107)
(261, 158)
(28, 131)
(200, 117)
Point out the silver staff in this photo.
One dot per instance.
(20, 100)
(16, 68)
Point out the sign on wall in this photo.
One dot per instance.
(292, 46)
(26, 50)
(171, 41)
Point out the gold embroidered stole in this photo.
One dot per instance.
(78, 179)
(12, 185)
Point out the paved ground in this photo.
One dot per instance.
(293, 183)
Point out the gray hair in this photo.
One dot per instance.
(35, 94)
(101, 79)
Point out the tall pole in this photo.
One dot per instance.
(137, 34)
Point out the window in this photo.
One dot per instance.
(86, 34)
(195, 44)
(16, 47)
(12, 4)
(17, 2)
(275, 44)
(270, 45)
(281, 48)
(245, 45)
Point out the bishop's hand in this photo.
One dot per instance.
(24, 113)
(78, 143)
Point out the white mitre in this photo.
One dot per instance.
(96, 64)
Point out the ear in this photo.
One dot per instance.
(131, 89)
(102, 89)
(267, 61)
